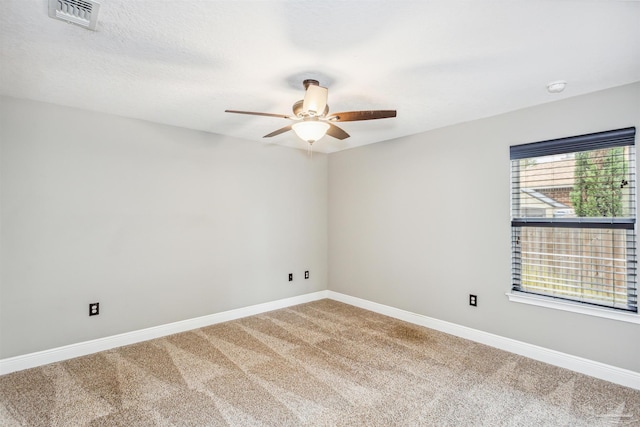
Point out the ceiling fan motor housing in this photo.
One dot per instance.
(298, 112)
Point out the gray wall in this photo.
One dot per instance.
(156, 223)
(421, 222)
(161, 224)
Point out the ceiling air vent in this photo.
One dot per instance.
(80, 12)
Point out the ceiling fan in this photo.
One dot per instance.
(311, 116)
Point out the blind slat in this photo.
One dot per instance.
(604, 223)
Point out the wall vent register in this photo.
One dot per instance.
(80, 12)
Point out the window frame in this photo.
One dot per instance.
(596, 141)
(573, 307)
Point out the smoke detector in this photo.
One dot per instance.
(79, 12)
(556, 87)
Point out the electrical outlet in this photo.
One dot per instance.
(473, 300)
(94, 309)
(291, 277)
(306, 274)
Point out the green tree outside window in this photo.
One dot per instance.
(600, 176)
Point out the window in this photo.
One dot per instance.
(573, 215)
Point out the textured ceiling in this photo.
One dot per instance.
(436, 62)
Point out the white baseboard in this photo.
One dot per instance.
(58, 354)
(585, 366)
(592, 368)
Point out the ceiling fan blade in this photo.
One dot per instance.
(278, 132)
(315, 100)
(336, 132)
(352, 116)
(253, 113)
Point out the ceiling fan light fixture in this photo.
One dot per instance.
(310, 130)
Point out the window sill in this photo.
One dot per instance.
(574, 307)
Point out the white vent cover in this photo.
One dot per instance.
(80, 12)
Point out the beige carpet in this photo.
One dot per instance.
(319, 364)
